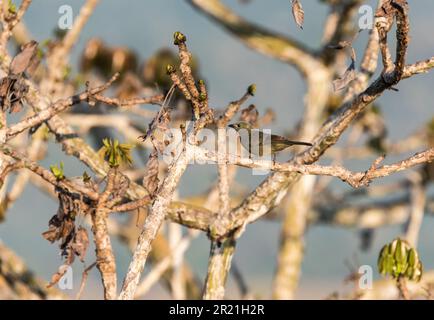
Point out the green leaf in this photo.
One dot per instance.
(389, 264)
(382, 267)
(412, 258)
(409, 273)
(58, 171)
(399, 255)
(12, 7)
(381, 262)
(116, 153)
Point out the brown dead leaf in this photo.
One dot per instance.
(298, 13)
(150, 180)
(80, 243)
(26, 60)
(67, 231)
(250, 115)
(53, 232)
(12, 90)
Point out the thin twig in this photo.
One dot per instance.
(84, 276)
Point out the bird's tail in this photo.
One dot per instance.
(300, 143)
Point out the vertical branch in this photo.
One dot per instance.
(219, 264)
(3, 126)
(220, 253)
(152, 225)
(57, 61)
(223, 169)
(105, 258)
(291, 250)
(177, 280)
(164, 265)
(369, 61)
(418, 201)
(402, 287)
(106, 263)
(10, 22)
(72, 36)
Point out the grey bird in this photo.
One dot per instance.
(262, 144)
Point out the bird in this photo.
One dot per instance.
(260, 143)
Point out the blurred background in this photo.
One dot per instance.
(229, 67)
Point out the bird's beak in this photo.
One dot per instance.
(232, 126)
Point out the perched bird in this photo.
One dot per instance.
(260, 143)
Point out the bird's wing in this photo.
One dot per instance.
(260, 143)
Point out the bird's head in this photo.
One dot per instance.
(240, 125)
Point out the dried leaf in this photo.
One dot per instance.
(250, 115)
(80, 243)
(150, 180)
(27, 59)
(67, 232)
(53, 232)
(298, 13)
(68, 253)
(12, 91)
(5, 85)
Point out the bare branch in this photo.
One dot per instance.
(55, 109)
(10, 22)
